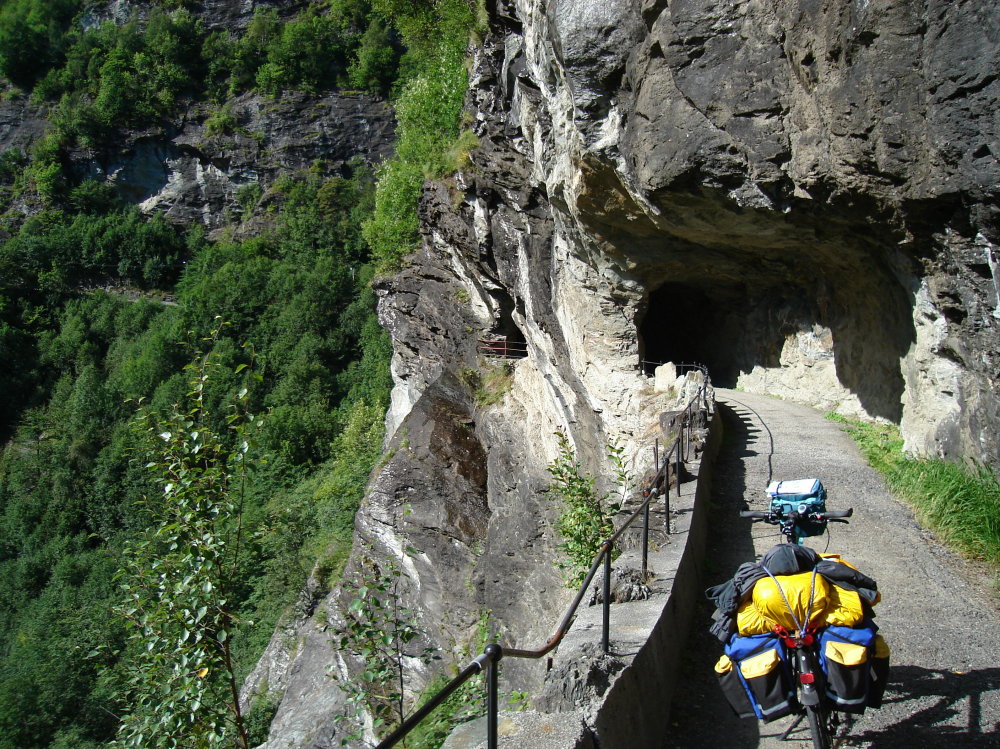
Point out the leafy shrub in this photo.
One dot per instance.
(428, 109)
(12, 162)
(377, 631)
(177, 575)
(91, 196)
(376, 61)
(308, 53)
(585, 522)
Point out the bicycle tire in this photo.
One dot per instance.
(819, 727)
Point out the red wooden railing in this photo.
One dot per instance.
(503, 349)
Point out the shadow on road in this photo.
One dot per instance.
(700, 715)
(931, 699)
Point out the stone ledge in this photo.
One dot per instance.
(525, 729)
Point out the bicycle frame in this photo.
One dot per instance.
(810, 686)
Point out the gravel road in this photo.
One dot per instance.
(936, 614)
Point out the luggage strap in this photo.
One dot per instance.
(800, 626)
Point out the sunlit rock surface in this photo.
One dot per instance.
(801, 196)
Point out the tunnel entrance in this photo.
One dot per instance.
(683, 324)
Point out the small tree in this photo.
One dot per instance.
(378, 629)
(176, 576)
(586, 519)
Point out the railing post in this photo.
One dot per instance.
(645, 541)
(606, 635)
(677, 475)
(666, 494)
(687, 433)
(492, 694)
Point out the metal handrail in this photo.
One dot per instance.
(493, 652)
(487, 660)
(502, 348)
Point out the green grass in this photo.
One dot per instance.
(958, 501)
(428, 104)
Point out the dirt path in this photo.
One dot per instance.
(944, 633)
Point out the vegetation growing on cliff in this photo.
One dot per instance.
(586, 519)
(177, 574)
(432, 87)
(69, 481)
(102, 77)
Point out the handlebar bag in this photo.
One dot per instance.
(760, 664)
(847, 657)
(800, 495)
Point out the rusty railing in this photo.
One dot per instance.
(501, 348)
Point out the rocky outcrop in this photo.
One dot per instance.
(21, 122)
(228, 15)
(800, 195)
(224, 175)
(806, 192)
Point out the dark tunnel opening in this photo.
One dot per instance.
(684, 325)
(856, 337)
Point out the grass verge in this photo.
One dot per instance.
(960, 502)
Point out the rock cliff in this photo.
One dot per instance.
(802, 195)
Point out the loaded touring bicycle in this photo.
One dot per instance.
(798, 626)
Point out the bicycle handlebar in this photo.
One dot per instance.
(825, 515)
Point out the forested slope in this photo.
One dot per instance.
(102, 305)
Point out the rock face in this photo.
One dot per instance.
(218, 168)
(223, 177)
(230, 15)
(801, 195)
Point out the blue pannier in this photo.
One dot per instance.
(760, 665)
(855, 668)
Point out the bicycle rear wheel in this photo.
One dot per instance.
(819, 727)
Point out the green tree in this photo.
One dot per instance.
(31, 37)
(177, 576)
(585, 521)
(378, 630)
(376, 60)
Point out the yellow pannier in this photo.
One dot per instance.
(846, 653)
(760, 665)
